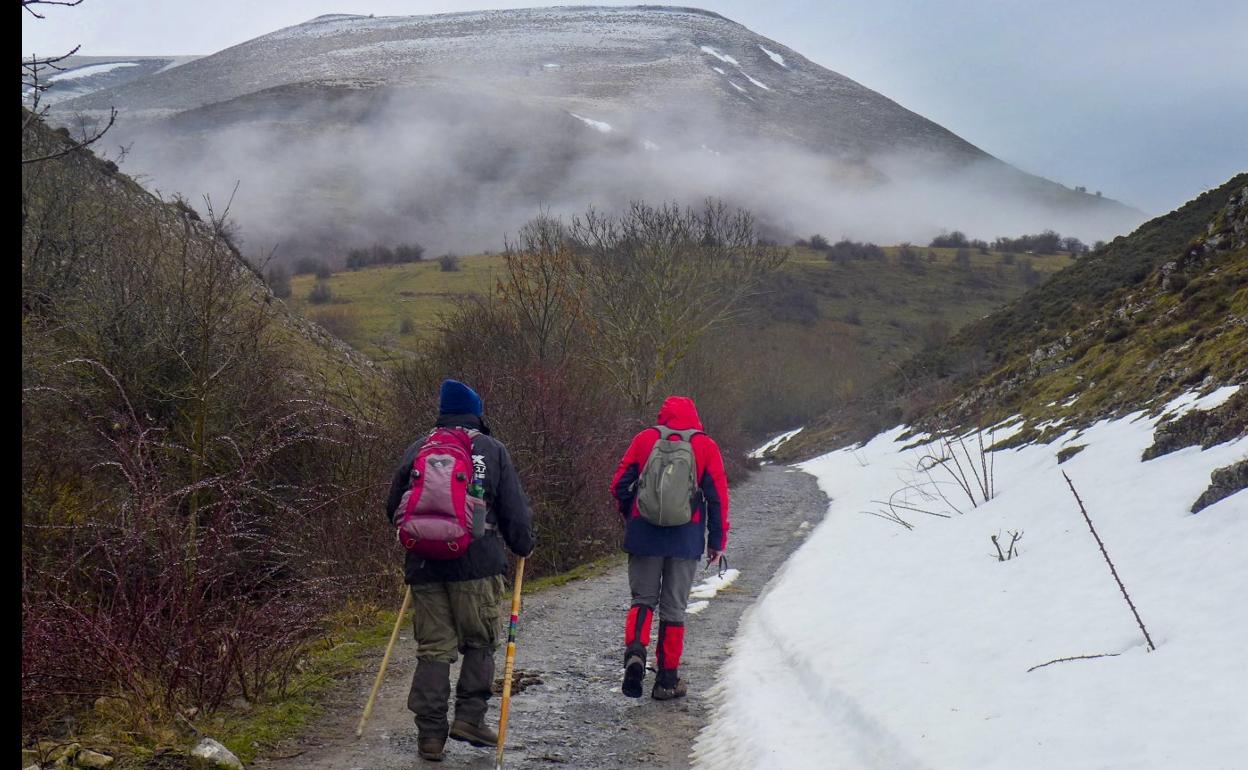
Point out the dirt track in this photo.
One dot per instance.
(570, 641)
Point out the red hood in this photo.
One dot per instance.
(679, 413)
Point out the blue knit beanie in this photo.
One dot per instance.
(457, 398)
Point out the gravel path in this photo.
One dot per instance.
(569, 710)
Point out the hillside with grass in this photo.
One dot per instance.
(198, 467)
(1135, 323)
(816, 334)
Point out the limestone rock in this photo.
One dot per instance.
(211, 755)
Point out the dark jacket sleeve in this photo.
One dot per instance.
(402, 480)
(511, 507)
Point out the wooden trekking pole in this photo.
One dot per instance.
(385, 660)
(510, 665)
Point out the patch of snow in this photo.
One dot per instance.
(774, 442)
(595, 124)
(695, 607)
(714, 584)
(1192, 401)
(878, 646)
(722, 57)
(761, 85)
(551, 66)
(90, 69)
(720, 71)
(777, 58)
(739, 88)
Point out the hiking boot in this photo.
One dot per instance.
(677, 690)
(430, 748)
(634, 673)
(475, 735)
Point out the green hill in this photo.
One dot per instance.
(1147, 316)
(820, 331)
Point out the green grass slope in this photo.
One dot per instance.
(1154, 313)
(819, 331)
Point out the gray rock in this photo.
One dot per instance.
(1223, 483)
(211, 755)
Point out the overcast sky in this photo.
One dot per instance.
(1146, 100)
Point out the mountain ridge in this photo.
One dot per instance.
(658, 101)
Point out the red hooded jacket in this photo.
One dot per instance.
(709, 525)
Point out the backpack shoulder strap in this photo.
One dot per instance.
(685, 435)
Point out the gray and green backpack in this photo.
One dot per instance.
(668, 483)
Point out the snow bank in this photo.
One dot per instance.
(774, 443)
(883, 647)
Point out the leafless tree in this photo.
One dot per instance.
(654, 280)
(34, 84)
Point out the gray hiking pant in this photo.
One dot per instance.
(665, 581)
(662, 581)
(449, 618)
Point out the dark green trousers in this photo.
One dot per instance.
(450, 619)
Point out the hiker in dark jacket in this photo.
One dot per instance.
(662, 558)
(456, 601)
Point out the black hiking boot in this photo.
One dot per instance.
(668, 685)
(430, 748)
(634, 673)
(474, 735)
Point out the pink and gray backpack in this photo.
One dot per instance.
(443, 510)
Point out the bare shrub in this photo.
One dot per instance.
(194, 496)
(652, 281)
(278, 279)
(320, 293)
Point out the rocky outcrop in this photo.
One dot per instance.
(1223, 483)
(1203, 428)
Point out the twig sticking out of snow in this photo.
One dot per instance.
(1112, 570)
(1074, 657)
(1010, 552)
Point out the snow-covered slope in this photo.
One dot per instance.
(880, 646)
(453, 128)
(82, 75)
(609, 64)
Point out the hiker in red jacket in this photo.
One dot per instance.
(673, 494)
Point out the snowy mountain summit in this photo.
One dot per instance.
(563, 106)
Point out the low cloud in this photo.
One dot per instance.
(324, 170)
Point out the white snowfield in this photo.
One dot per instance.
(882, 647)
